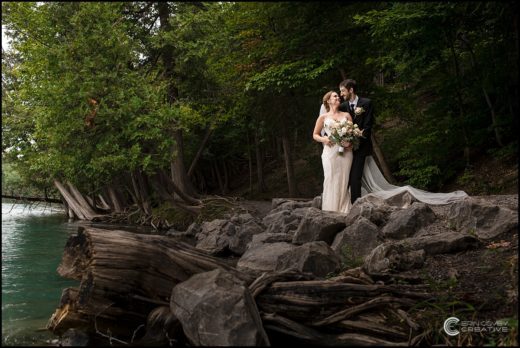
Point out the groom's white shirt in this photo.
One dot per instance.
(354, 102)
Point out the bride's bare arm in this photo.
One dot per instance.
(317, 130)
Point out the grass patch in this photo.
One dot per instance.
(218, 208)
(348, 260)
(176, 218)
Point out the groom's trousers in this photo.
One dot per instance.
(356, 172)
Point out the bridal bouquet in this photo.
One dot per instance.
(348, 131)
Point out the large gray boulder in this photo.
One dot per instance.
(263, 257)
(243, 236)
(266, 237)
(216, 309)
(402, 200)
(411, 252)
(314, 257)
(75, 338)
(392, 257)
(278, 204)
(284, 220)
(442, 243)
(356, 241)
(406, 222)
(194, 229)
(219, 236)
(214, 236)
(316, 202)
(372, 208)
(319, 225)
(481, 218)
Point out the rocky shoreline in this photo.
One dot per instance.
(294, 274)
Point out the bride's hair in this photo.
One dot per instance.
(326, 98)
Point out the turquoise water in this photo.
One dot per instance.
(33, 239)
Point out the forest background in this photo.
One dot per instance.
(148, 108)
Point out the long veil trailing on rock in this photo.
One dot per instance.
(373, 182)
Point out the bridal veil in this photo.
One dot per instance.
(373, 182)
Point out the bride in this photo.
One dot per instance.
(336, 164)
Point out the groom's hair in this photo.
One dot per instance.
(348, 84)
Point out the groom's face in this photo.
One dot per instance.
(345, 93)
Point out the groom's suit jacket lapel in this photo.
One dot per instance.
(360, 104)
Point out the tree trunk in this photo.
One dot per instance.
(289, 168)
(279, 147)
(219, 178)
(70, 212)
(379, 79)
(460, 103)
(250, 163)
(178, 169)
(141, 192)
(114, 199)
(179, 174)
(291, 180)
(343, 74)
(76, 202)
(381, 160)
(202, 146)
(259, 165)
(173, 190)
(103, 203)
(123, 277)
(226, 176)
(165, 189)
(494, 125)
(81, 199)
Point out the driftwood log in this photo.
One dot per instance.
(125, 276)
(345, 310)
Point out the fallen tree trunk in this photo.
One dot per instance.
(123, 277)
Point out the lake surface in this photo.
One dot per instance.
(33, 238)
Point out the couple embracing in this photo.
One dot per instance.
(343, 169)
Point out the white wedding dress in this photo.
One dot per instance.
(336, 171)
(374, 183)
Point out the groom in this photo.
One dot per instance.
(362, 114)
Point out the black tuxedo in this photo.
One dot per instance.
(365, 121)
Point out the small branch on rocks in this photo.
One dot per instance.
(376, 302)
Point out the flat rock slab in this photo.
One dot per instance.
(482, 218)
